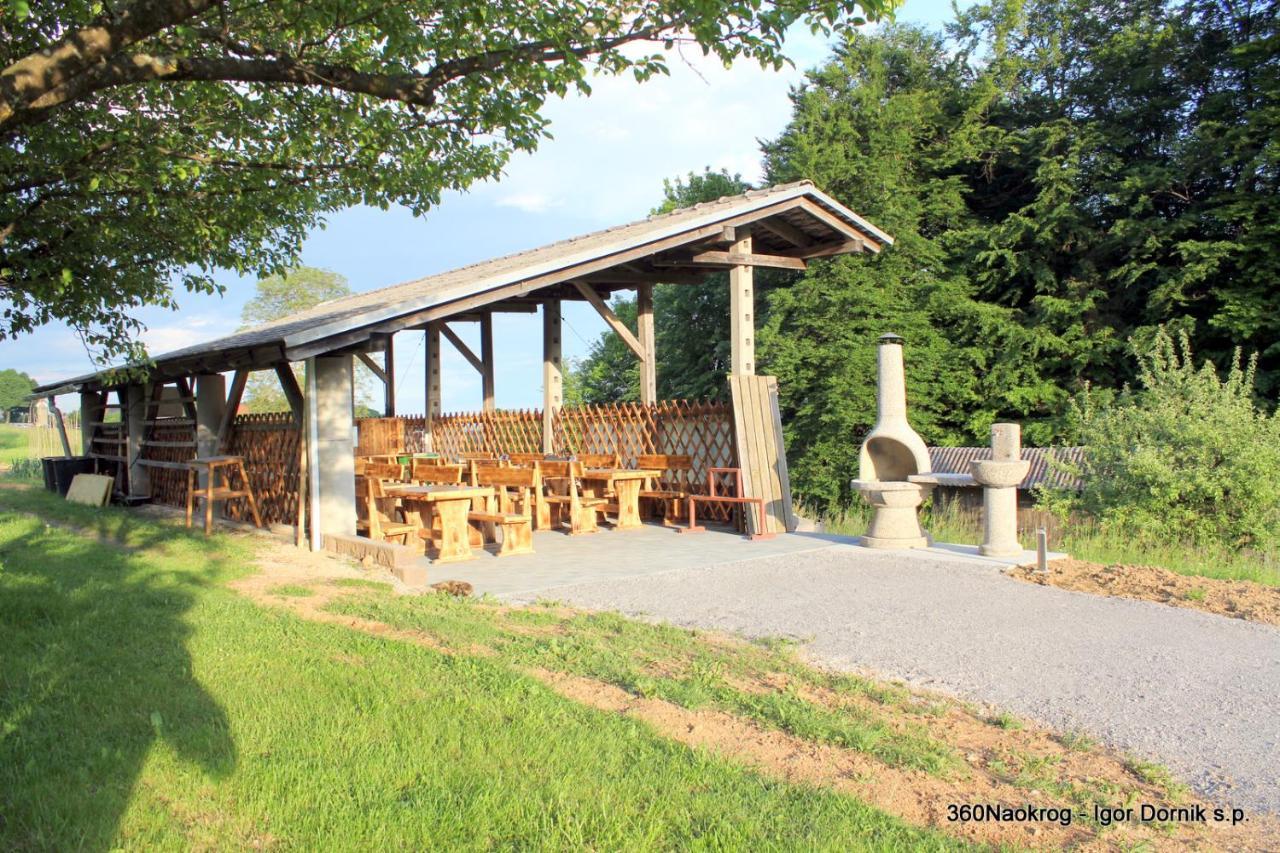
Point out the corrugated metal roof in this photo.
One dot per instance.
(955, 460)
(386, 304)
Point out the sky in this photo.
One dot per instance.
(605, 166)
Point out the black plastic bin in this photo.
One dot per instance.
(59, 471)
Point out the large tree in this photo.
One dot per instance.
(151, 141)
(15, 386)
(279, 296)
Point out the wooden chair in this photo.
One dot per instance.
(512, 513)
(565, 498)
(524, 458)
(384, 470)
(427, 471)
(599, 460)
(379, 522)
(666, 491)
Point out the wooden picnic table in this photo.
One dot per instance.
(625, 483)
(450, 503)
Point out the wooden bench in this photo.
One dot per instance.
(516, 527)
(565, 498)
(377, 521)
(662, 490)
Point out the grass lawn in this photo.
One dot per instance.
(143, 704)
(158, 690)
(13, 444)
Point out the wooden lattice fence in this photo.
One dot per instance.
(700, 429)
(171, 440)
(269, 444)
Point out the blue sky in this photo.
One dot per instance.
(605, 165)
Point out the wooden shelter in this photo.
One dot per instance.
(185, 408)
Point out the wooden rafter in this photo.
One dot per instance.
(787, 231)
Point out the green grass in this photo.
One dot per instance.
(1087, 541)
(143, 705)
(13, 443)
(665, 662)
(1005, 720)
(292, 590)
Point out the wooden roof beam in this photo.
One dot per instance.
(826, 250)
(833, 222)
(745, 259)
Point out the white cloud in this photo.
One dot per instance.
(528, 202)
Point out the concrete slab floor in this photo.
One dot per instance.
(560, 560)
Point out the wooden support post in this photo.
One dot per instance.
(742, 332)
(432, 359)
(234, 396)
(389, 369)
(552, 372)
(289, 383)
(93, 410)
(649, 362)
(62, 427)
(620, 328)
(486, 361)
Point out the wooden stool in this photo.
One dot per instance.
(211, 492)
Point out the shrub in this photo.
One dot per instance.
(1188, 456)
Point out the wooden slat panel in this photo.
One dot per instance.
(758, 430)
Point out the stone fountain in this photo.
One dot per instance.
(999, 477)
(892, 453)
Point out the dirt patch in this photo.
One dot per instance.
(916, 797)
(1254, 602)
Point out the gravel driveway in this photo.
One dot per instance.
(1194, 691)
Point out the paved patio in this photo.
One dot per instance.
(612, 555)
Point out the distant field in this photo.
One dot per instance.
(28, 442)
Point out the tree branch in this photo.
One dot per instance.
(39, 73)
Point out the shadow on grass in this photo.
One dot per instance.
(95, 672)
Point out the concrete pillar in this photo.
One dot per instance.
(742, 331)
(92, 409)
(135, 416)
(211, 406)
(645, 327)
(552, 372)
(330, 447)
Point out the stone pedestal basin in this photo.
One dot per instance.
(894, 519)
(999, 476)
